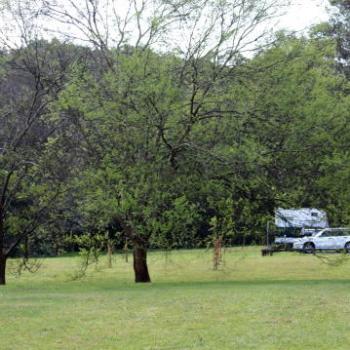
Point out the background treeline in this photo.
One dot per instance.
(167, 149)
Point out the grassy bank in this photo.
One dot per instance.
(288, 301)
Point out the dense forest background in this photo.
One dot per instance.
(128, 142)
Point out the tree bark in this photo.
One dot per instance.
(110, 253)
(140, 265)
(126, 251)
(2, 269)
(26, 248)
(217, 252)
(3, 256)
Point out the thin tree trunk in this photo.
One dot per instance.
(26, 248)
(217, 252)
(110, 253)
(2, 269)
(126, 251)
(2, 247)
(140, 265)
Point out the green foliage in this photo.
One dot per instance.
(176, 226)
(223, 225)
(167, 152)
(271, 142)
(90, 248)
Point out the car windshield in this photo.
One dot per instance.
(334, 233)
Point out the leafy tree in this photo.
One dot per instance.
(33, 162)
(143, 117)
(304, 100)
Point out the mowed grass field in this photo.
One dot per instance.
(288, 301)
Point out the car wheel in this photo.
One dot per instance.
(347, 247)
(309, 248)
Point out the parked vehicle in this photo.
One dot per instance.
(288, 239)
(326, 239)
(301, 218)
(293, 224)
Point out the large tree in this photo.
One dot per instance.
(161, 90)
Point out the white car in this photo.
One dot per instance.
(327, 239)
(291, 238)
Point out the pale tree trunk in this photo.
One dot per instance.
(110, 253)
(217, 253)
(140, 264)
(126, 251)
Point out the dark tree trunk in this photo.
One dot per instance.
(26, 248)
(140, 265)
(2, 269)
(2, 248)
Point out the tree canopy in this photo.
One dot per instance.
(168, 147)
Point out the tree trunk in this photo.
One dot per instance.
(126, 251)
(26, 248)
(110, 253)
(217, 252)
(2, 269)
(140, 265)
(2, 247)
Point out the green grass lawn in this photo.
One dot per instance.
(288, 301)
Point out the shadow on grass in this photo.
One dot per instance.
(108, 285)
(257, 282)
